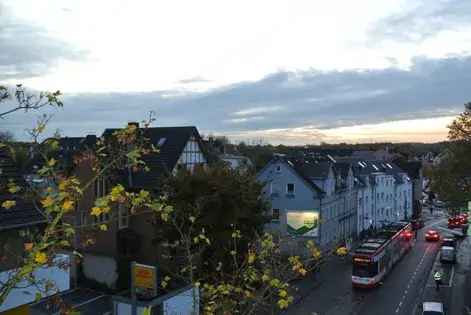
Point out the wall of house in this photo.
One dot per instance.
(191, 156)
(276, 177)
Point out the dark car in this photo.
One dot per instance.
(449, 241)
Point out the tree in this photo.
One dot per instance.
(451, 180)
(20, 99)
(212, 206)
(219, 199)
(460, 128)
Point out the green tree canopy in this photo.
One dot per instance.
(220, 200)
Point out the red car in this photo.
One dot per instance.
(432, 236)
(455, 222)
(464, 218)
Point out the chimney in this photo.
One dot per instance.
(133, 123)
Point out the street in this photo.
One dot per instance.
(402, 291)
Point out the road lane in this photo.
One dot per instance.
(334, 294)
(400, 288)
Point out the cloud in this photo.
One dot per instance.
(192, 80)
(257, 110)
(424, 20)
(313, 100)
(28, 50)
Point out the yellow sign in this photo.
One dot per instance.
(145, 277)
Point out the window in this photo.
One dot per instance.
(123, 217)
(382, 195)
(102, 218)
(275, 214)
(83, 217)
(290, 188)
(100, 187)
(278, 168)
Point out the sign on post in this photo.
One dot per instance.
(144, 280)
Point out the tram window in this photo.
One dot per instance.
(365, 270)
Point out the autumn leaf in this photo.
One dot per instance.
(7, 204)
(68, 205)
(103, 227)
(40, 258)
(96, 211)
(47, 202)
(51, 162)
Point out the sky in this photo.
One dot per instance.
(291, 72)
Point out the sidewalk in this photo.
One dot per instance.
(335, 278)
(455, 291)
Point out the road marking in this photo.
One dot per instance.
(450, 282)
(410, 282)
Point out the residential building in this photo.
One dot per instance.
(20, 226)
(343, 198)
(309, 199)
(414, 170)
(107, 254)
(235, 162)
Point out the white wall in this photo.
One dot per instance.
(102, 269)
(60, 277)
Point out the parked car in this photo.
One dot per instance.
(449, 241)
(432, 308)
(432, 236)
(448, 254)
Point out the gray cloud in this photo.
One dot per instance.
(197, 79)
(322, 100)
(424, 20)
(28, 50)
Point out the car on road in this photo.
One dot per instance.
(432, 308)
(432, 236)
(448, 254)
(463, 218)
(454, 222)
(449, 241)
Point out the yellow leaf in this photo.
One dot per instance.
(7, 204)
(63, 185)
(103, 227)
(251, 258)
(68, 205)
(96, 211)
(51, 162)
(282, 304)
(47, 202)
(13, 189)
(40, 258)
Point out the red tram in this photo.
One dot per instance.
(373, 259)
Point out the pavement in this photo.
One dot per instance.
(329, 292)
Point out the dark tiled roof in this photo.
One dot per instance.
(170, 141)
(24, 212)
(312, 169)
(411, 167)
(342, 168)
